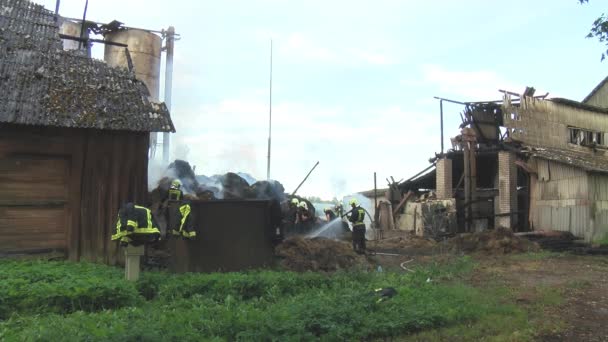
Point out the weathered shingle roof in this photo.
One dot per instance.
(42, 85)
(585, 161)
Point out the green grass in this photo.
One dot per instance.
(263, 305)
(44, 287)
(601, 242)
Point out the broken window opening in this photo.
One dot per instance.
(584, 137)
(515, 116)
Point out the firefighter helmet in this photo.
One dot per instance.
(176, 184)
(353, 202)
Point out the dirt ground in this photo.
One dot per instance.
(571, 291)
(580, 283)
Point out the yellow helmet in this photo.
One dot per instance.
(295, 201)
(353, 202)
(176, 184)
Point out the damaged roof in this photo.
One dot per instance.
(579, 105)
(40, 84)
(583, 160)
(595, 90)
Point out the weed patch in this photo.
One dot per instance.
(258, 305)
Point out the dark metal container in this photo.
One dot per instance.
(232, 235)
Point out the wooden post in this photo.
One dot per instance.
(132, 261)
(473, 169)
(467, 188)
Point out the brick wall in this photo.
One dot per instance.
(507, 190)
(444, 179)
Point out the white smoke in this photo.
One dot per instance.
(338, 184)
(181, 152)
(156, 171)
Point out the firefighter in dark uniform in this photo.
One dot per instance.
(330, 215)
(135, 226)
(180, 222)
(357, 215)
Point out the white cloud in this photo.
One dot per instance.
(350, 143)
(301, 47)
(482, 85)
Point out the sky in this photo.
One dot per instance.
(353, 81)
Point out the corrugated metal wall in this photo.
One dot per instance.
(600, 98)
(599, 208)
(560, 199)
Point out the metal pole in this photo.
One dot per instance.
(270, 118)
(441, 122)
(305, 178)
(84, 17)
(168, 87)
(56, 10)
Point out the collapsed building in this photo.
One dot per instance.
(524, 162)
(74, 140)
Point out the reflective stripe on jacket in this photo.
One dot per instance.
(357, 216)
(175, 195)
(186, 225)
(134, 220)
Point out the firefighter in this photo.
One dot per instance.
(180, 222)
(330, 215)
(135, 226)
(339, 210)
(357, 215)
(303, 213)
(175, 191)
(303, 218)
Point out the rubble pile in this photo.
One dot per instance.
(317, 254)
(497, 241)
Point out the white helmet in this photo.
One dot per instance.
(303, 205)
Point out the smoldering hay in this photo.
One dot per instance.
(227, 186)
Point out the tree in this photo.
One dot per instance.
(599, 30)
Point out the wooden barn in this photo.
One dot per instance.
(74, 140)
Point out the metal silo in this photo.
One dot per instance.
(71, 28)
(144, 49)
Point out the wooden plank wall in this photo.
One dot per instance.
(106, 168)
(115, 170)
